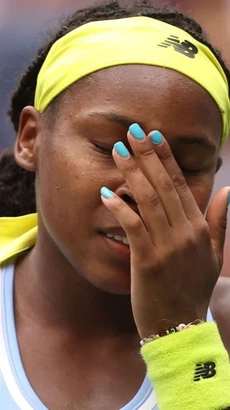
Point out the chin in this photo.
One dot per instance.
(115, 285)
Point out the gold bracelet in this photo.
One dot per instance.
(170, 330)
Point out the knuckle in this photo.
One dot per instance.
(151, 197)
(204, 230)
(189, 243)
(148, 152)
(179, 181)
(186, 242)
(167, 184)
(131, 167)
(134, 224)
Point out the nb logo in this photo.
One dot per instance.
(204, 371)
(184, 47)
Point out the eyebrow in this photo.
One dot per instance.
(126, 121)
(121, 119)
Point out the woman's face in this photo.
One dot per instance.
(74, 159)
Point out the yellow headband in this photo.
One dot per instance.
(133, 40)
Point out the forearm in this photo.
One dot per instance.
(189, 369)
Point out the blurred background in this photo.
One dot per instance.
(23, 28)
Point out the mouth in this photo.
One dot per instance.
(117, 238)
(117, 244)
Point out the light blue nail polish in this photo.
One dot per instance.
(106, 193)
(137, 131)
(121, 149)
(228, 199)
(156, 137)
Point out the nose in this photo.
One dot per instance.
(124, 193)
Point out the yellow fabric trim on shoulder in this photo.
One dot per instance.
(133, 40)
(17, 235)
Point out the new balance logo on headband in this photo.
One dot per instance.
(185, 47)
(204, 371)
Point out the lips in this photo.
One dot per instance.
(116, 233)
(116, 242)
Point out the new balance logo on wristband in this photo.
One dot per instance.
(204, 371)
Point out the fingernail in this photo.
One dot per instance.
(156, 137)
(136, 131)
(121, 149)
(106, 193)
(228, 199)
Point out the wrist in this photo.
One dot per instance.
(161, 325)
(170, 330)
(189, 369)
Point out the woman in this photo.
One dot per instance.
(135, 109)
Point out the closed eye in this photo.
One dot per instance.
(193, 172)
(103, 150)
(185, 171)
(190, 171)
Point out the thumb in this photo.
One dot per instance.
(216, 218)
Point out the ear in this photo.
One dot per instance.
(219, 164)
(26, 146)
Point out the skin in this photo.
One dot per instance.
(73, 308)
(220, 309)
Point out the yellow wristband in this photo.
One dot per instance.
(190, 369)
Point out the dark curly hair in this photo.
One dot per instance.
(17, 194)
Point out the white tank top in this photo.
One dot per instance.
(16, 393)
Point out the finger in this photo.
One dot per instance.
(216, 218)
(148, 202)
(130, 221)
(157, 175)
(164, 153)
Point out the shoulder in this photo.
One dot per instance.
(220, 303)
(220, 308)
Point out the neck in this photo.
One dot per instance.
(51, 292)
